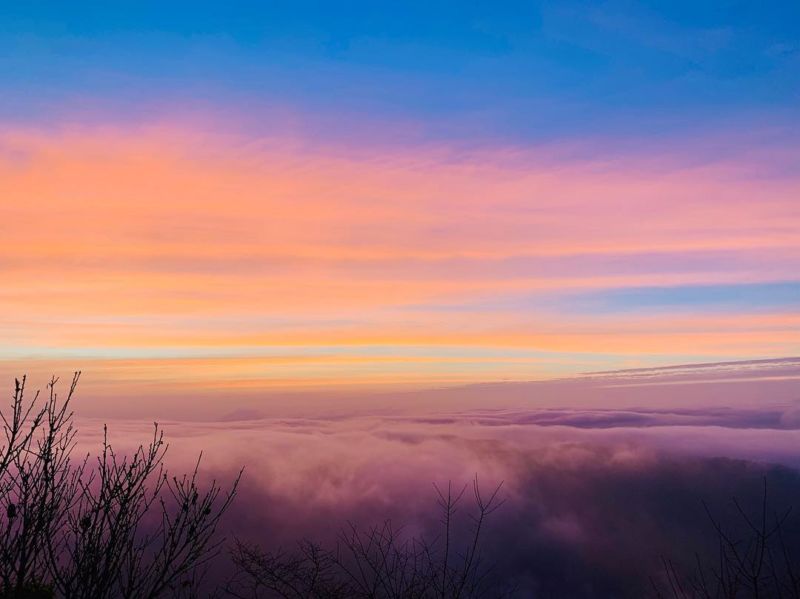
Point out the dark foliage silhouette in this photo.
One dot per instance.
(380, 562)
(755, 558)
(110, 526)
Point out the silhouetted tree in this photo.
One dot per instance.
(754, 559)
(377, 563)
(115, 526)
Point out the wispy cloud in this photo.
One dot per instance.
(166, 238)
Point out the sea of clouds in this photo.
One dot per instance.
(595, 495)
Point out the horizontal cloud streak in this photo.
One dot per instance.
(163, 237)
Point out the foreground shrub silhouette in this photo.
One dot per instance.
(380, 562)
(755, 559)
(112, 526)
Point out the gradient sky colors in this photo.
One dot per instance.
(325, 194)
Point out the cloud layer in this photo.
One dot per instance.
(593, 498)
(183, 255)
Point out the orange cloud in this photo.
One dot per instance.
(158, 238)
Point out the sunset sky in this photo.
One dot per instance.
(299, 195)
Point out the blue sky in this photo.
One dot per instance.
(524, 72)
(389, 192)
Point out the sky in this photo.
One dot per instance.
(248, 196)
